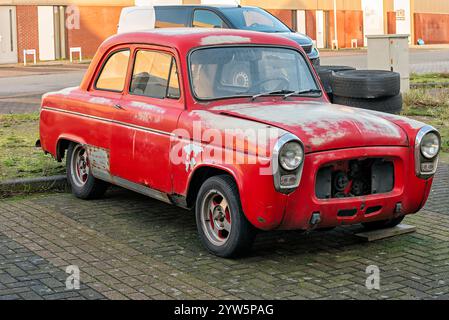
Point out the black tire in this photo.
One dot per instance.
(326, 73)
(91, 188)
(366, 84)
(383, 224)
(242, 234)
(388, 104)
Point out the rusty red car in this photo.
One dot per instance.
(236, 126)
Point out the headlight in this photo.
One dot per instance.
(430, 145)
(291, 156)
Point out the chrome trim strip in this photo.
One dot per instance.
(419, 159)
(276, 167)
(79, 114)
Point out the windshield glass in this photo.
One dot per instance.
(254, 19)
(226, 72)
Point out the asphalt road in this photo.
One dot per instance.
(421, 60)
(31, 84)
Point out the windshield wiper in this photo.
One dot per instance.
(299, 93)
(271, 93)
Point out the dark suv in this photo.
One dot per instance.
(231, 17)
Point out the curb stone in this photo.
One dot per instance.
(28, 185)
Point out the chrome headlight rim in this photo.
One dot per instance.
(420, 158)
(299, 156)
(424, 152)
(279, 171)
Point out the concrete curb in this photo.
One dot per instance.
(28, 185)
(429, 85)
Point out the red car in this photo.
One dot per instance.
(236, 125)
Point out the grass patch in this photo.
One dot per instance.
(432, 107)
(19, 158)
(429, 78)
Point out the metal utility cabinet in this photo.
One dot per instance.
(390, 52)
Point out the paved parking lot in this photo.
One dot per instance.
(131, 247)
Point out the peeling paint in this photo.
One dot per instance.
(192, 150)
(223, 39)
(101, 100)
(148, 113)
(321, 123)
(63, 92)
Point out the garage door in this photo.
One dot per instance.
(8, 39)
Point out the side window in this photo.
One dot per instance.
(207, 19)
(171, 17)
(155, 75)
(113, 74)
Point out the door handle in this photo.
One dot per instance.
(118, 107)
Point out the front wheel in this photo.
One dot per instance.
(383, 224)
(84, 184)
(222, 225)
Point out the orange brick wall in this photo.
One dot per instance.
(27, 30)
(96, 24)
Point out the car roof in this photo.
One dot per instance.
(183, 40)
(202, 6)
(188, 38)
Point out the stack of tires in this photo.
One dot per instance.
(367, 89)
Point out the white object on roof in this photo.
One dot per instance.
(138, 18)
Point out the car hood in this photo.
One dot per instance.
(322, 126)
(299, 38)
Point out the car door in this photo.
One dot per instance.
(148, 115)
(97, 109)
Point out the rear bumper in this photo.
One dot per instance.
(409, 191)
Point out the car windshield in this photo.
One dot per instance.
(226, 72)
(254, 19)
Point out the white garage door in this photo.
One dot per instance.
(8, 38)
(46, 27)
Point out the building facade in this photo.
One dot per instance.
(51, 27)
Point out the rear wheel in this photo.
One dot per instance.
(383, 224)
(84, 184)
(222, 225)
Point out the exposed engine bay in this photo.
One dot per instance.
(355, 178)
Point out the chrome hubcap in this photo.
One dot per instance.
(216, 218)
(80, 166)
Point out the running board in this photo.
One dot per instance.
(146, 191)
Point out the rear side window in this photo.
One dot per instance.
(207, 19)
(171, 18)
(155, 75)
(113, 74)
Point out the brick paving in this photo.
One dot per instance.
(131, 247)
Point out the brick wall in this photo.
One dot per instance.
(96, 24)
(27, 30)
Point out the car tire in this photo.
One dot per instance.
(83, 184)
(387, 104)
(383, 224)
(366, 84)
(222, 226)
(325, 73)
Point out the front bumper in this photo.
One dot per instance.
(409, 192)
